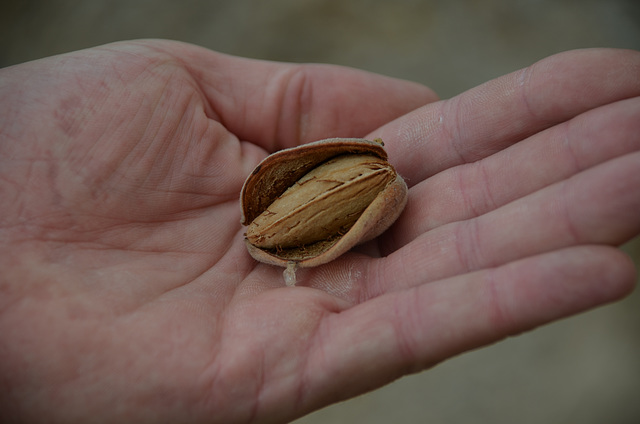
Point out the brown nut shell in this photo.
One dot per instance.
(282, 169)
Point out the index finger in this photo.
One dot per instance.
(492, 116)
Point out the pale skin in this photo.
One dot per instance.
(126, 292)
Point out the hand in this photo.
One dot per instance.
(126, 293)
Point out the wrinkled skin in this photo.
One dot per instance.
(127, 295)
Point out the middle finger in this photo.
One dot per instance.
(471, 190)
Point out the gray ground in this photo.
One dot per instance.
(584, 369)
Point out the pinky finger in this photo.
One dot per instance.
(401, 332)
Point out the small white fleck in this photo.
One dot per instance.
(290, 274)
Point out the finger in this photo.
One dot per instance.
(501, 112)
(410, 330)
(597, 206)
(545, 158)
(281, 105)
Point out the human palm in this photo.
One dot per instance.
(126, 290)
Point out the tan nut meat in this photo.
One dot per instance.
(307, 205)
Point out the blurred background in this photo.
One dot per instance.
(584, 369)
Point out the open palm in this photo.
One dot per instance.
(126, 292)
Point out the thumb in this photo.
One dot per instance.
(278, 105)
